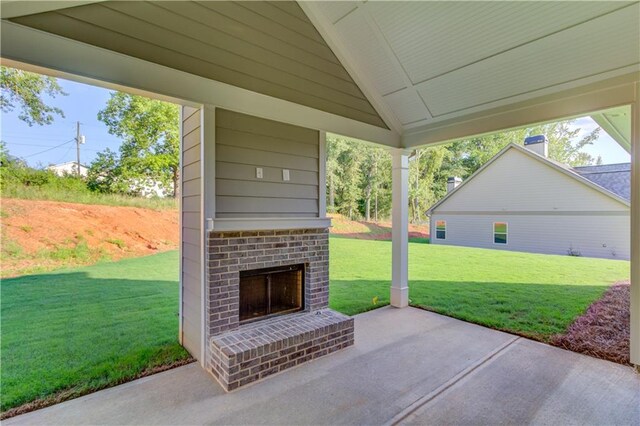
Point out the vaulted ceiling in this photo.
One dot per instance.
(414, 72)
(425, 62)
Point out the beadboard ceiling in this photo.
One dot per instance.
(425, 62)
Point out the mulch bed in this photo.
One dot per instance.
(603, 331)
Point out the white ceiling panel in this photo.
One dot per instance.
(432, 62)
(335, 10)
(432, 38)
(366, 53)
(407, 106)
(607, 43)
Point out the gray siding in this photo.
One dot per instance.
(191, 261)
(244, 143)
(267, 47)
(546, 211)
(594, 235)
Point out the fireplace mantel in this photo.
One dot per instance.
(267, 223)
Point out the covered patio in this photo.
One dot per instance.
(407, 367)
(261, 84)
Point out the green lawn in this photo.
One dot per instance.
(76, 330)
(530, 294)
(82, 329)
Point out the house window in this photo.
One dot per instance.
(500, 233)
(441, 229)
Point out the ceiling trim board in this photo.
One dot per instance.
(391, 55)
(16, 8)
(612, 130)
(529, 96)
(575, 102)
(326, 30)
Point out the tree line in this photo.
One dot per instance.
(359, 175)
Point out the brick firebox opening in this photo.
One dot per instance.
(269, 292)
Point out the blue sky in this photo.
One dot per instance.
(83, 103)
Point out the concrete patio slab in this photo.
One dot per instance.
(407, 365)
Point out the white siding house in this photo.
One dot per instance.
(68, 168)
(522, 201)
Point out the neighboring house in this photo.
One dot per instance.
(148, 188)
(68, 168)
(522, 201)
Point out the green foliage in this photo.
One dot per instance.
(10, 248)
(358, 179)
(150, 149)
(117, 242)
(423, 167)
(77, 252)
(19, 181)
(25, 90)
(84, 329)
(535, 295)
(358, 173)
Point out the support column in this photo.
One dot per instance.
(400, 229)
(635, 229)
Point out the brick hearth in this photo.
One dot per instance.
(238, 354)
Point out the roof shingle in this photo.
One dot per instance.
(615, 178)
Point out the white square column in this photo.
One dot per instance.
(400, 228)
(635, 230)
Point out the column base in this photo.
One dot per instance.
(399, 297)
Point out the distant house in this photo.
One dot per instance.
(520, 200)
(68, 168)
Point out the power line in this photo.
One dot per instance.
(64, 155)
(28, 144)
(33, 137)
(47, 150)
(42, 146)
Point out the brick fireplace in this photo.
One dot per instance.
(268, 294)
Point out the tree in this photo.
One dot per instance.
(349, 177)
(561, 145)
(25, 89)
(150, 148)
(374, 162)
(423, 168)
(359, 175)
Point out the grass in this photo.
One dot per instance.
(85, 197)
(76, 330)
(79, 330)
(117, 242)
(528, 294)
(73, 252)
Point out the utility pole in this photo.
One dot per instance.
(79, 140)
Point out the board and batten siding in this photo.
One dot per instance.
(191, 223)
(546, 212)
(266, 47)
(244, 143)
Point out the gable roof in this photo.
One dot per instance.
(613, 177)
(571, 172)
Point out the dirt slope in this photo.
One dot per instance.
(40, 235)
(341, 225)
(43, 235)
